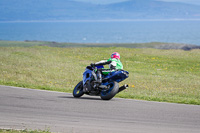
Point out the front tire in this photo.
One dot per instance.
(109, 94)
(78, 90)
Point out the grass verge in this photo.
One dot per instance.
(155, 75)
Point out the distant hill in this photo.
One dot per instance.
(44, 10)
(152, 9)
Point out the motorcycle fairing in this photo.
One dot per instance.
(118, 75)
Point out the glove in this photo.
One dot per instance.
(92, 65)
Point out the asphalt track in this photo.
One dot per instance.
(22, 108)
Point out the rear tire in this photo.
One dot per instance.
(109, 94)
(78, 90)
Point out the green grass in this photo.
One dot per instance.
(19, 43)
(155, 75)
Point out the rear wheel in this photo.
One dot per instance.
(111, 92)
(78, 90)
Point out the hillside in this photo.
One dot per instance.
(50, 10)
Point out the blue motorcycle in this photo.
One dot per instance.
(107, 89)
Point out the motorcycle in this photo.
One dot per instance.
(107, 89)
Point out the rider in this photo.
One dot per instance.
(114, 64)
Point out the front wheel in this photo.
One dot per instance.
(111, 92)
(78, 90)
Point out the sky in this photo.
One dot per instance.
(195, 2)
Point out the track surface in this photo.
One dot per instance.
(34, 109)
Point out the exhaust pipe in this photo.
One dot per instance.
(123, 88)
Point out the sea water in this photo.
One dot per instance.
(186, 32)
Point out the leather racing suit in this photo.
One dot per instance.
(114, 64)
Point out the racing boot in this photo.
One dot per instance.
(99, 77)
